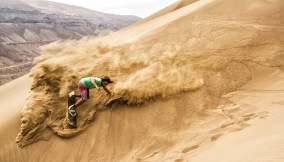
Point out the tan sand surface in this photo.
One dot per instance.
(262, 100)
(190, 82)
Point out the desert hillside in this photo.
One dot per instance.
(26, 25)
(198, 79)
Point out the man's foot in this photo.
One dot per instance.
(71, 94)
(72, 107)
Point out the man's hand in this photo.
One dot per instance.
(111, 93)
(107, 91)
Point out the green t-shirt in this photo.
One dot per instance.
(87, 82)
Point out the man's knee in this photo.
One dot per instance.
(84, 98)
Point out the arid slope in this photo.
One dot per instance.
(172, 73)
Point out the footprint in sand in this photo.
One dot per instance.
(190, 148)
(238, 126)
(215, 137)
(249, 116)
(226, 125)
(217, 130)
(236, 129)
(178, 160)
(260, 115)
(241, 122)
(231, 108)
(263, 114)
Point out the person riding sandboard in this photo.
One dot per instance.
(84, 85)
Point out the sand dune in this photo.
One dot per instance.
(262, 138)
(176, 75)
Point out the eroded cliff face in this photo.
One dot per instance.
(26, 25)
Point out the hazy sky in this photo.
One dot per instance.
(141, 8)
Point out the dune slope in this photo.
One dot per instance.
(262, 139)
(169, 83)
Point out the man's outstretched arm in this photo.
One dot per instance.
(105, 88)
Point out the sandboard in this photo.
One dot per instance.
(71, 113)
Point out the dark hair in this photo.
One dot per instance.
(106, 78)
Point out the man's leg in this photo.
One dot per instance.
(79, 102)
(84, 97)
(78, 96)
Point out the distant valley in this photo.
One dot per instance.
(27, 24)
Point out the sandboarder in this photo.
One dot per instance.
(84, 85)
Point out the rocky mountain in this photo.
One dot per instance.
(27, 24)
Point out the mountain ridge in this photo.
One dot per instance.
(26, 25)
